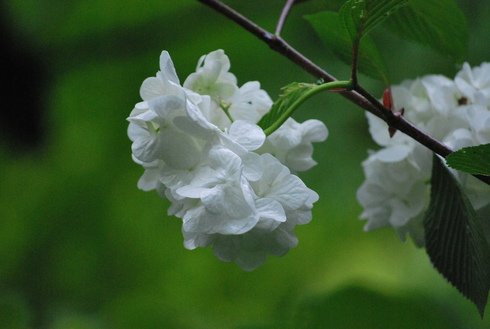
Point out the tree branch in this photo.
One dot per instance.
(359, 96)
(284, 14)
(277, 44)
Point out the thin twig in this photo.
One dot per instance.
(355, 58)
(365, 101)
(284, 14)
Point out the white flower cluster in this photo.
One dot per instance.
(202, 150)
(397, 186)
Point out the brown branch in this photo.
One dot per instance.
(359, 96)
(276, 43)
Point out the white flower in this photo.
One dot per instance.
(292, 143)
(282, 202)
(475, 83)
(199, 145)
(166, 81)
(248, 250)
(212, 76)
(249, 103)
(396, 190)
(225, 195)
(163, 140)
(277, 192)
(479, 119)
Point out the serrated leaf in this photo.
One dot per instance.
(438, 24)
(454, 239)
(336, 38)
(292, 93)
(360, 16)
(473, 160)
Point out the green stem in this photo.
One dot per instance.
(342, 85)
(225, 108)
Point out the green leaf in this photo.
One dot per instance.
(438, 24)
(473, 160)
(454, 239)
(361, 16)
(337, 39)
(292, 93)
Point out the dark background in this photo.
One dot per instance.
(82, 247)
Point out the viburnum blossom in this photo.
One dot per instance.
(397, 186)
(233, 187)
(292, 143)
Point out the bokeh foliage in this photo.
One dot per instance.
(82, 247)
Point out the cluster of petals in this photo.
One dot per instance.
(397, 186)
(234, 188)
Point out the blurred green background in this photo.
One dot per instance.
(82, 247)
